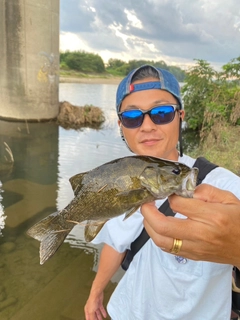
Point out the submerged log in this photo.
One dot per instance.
(75, 117)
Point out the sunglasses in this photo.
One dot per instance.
(159, 115)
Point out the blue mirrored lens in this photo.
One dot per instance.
(132, 118)
(162, 114)
(132, 114)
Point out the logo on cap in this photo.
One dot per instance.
(131, 88)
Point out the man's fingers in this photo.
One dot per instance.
(203, 193)
(171, 227)
(103, 311)
(188, 206)
(164, 242)
(209, 193)
(98, 315)
(199, 210)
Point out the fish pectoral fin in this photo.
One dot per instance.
(76, 182)
(92, 228)
(135, 197)
(130, 212)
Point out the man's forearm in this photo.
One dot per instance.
(110, 261)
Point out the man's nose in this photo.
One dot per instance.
(148, 124)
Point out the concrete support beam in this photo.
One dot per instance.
(29, 63)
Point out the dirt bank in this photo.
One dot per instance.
(76, 117)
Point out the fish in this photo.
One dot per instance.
(117, 187)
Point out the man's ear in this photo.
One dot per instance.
(182, 114)
(121, 132)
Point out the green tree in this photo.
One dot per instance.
(83, 61)
(231, 70)
(197, 90)
(116, 67)
(115, 63)
(210, 96)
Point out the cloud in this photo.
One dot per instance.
(170, 30)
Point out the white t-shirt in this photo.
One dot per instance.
(160, 286)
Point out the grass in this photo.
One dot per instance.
(221, 146)
(77, 74)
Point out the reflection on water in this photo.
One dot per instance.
(45, 157)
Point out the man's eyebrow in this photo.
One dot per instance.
(163, 101)
(133, 106)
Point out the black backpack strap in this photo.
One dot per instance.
(236, 291)
(138, 243)
(204, 167)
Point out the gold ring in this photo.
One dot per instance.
(177, 244)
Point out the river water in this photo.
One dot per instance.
(45, 157)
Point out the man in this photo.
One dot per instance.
(158, 284)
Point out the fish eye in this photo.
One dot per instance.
(176, 171)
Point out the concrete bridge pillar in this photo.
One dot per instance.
(29, 59)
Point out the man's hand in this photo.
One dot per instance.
(94, 309)
(211, 231)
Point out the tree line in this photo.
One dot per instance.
(85, 62)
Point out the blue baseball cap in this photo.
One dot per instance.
(167, 82)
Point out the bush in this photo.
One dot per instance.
(210, 96)
(82, 61)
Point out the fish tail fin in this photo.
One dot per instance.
(50, 234)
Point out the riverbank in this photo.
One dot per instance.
(114, 80)
(78, 77)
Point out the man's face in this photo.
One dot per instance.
(152, 139)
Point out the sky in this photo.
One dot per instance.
(175, 31)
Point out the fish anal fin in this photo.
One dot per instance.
(92, 228)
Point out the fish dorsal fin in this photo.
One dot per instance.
(76, 182)
(92, 228)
